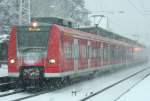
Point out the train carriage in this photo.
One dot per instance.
(56, 51)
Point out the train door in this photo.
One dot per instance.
(82, 50)
(68, 60)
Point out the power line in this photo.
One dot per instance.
(132, 4)
(141, 13)
(141, 4)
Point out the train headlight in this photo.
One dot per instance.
(34, 24)
(52, 61)
(12, 61)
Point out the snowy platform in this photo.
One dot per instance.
(140, 92)
(3, 70)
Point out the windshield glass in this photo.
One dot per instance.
(32, 41)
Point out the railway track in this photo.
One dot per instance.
(13, 96)
(8, 93)
(7, 86)
(32, 95)
(117, 83)
(4, 79)
(21, 94)
(26, 93)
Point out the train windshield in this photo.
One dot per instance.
(28, 41)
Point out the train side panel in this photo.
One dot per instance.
(54, 53)
(68, 63)
(13, 71)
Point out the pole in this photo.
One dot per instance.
(24, 12)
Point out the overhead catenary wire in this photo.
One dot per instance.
(141, 4)
(147, 20)
(141, 13)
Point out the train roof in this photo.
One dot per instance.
(67, 22)
(109, 34)
(54, 20)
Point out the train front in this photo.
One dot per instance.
(27, 55)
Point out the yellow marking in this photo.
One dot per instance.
(68, 34)
(34, 29)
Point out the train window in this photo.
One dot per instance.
(32, 39)
(83, 51)
(3, 51)
(89, 52)
(116, 52)
(119, 53)
(76, 51)
(104, 52)
(108, 50)
(99, 54)
(68, 48)
(94, 52)
(111, 52)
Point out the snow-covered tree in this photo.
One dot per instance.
(8, 15)
(9, 11)
(61, 8)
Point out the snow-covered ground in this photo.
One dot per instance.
(87, 87)
(140, 92)
(3, 70)
(118, 91)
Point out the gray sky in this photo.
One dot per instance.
(134, 23)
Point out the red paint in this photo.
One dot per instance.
(12, 51)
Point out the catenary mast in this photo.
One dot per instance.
(24, 12)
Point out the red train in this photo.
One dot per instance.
(54, 51)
